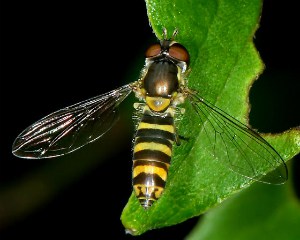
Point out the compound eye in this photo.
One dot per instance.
(153, 50)
(179, 52)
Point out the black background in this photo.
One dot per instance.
(56, 53)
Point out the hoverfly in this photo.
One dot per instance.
(160, 89)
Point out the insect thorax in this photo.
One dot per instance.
(160, 84)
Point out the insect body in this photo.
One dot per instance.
(156, 131)
(161, 88)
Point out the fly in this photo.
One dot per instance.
(160, 89)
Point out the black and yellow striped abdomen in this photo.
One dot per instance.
(152, 155)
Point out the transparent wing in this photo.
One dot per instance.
(70, 128)
(242, 149)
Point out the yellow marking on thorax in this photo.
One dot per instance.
(153, 146)
(158, 104)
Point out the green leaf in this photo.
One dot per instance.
(224, 64)
(261, 210)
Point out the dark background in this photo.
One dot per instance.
(53, 55)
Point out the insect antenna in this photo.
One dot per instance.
(165, 34)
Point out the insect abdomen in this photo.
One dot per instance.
(151, 157)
